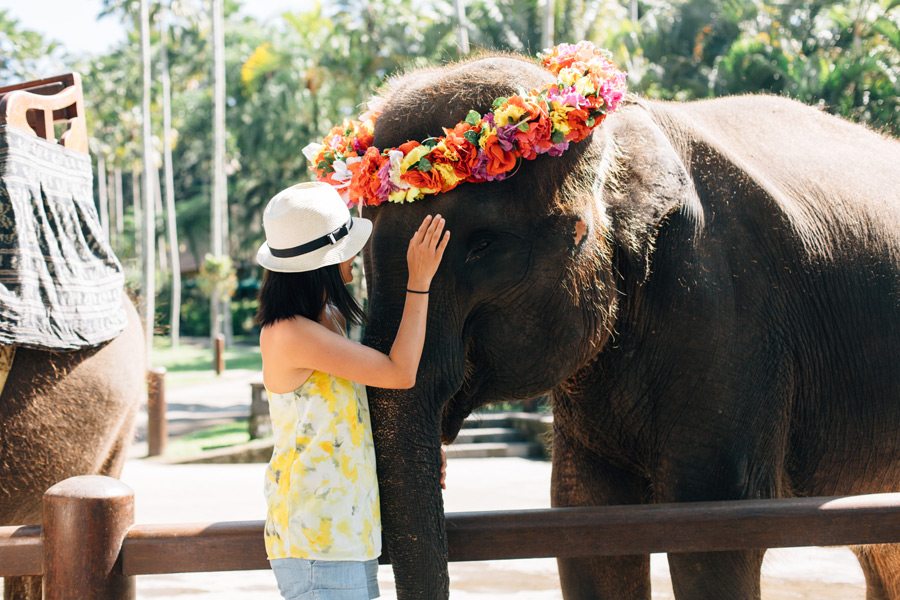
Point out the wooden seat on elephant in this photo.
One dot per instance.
(60, 283)
(37, 106)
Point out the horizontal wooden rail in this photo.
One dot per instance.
(20, 551)
(560, 532)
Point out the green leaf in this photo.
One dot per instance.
(424, 165)
(472, 118)
(472, 137)
(322, 165)
(558, 137)
(499, 102)
(590, 122)
(430, 142)
(523, 126)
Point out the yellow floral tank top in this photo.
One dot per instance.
(321, 485)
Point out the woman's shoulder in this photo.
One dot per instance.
(285, 330)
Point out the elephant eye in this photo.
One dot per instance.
(478, 249)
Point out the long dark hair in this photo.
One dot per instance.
(286, 295)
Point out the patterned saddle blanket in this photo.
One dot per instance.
(60, 283)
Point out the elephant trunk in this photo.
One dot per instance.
(407, 446)
(406, 426)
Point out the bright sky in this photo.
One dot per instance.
(75, 23)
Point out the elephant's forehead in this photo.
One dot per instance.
(420, 103)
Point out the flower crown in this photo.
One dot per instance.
(482, 148)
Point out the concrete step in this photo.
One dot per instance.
(483, 435)
(486, 420)
(491, 449)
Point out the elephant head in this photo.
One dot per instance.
(527, 293)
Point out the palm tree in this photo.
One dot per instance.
(175, 304)
(149, 252)
(219, 223)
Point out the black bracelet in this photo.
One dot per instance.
(416, 291)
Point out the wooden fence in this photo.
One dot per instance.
(90, 548)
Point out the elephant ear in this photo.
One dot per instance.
(646, 183)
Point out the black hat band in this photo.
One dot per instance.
(331, 238)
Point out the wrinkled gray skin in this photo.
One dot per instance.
(711, 290)
(64, 414)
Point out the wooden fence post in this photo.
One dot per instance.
(85, 521)
(219, 354)
(157, 430)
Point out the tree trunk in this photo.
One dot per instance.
(219, 196)
(461, 29)
(148, 291)
(103, 208)
(120, 208)
(548, 24)
(138, 215)
(171, 228)
(157, 233)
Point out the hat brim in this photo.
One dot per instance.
(345, 249)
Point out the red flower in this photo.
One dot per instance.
(468, 153)
(408, 146)
(537, 137)
(364, 185)
(499, 160)
(424, 180)
(577, 119)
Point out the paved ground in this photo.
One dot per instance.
(208, 493)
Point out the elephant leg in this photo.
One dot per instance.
(881, 566)
(716, 575)
(579, 480)
(22, 588)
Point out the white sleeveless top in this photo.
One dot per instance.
(321, 485)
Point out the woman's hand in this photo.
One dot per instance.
(426, 248)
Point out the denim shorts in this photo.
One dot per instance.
(301, 579)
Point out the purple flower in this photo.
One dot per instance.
(507, 136)
(385, 187)
(479, 171)
(558, 149)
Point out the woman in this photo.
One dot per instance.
(323, 529)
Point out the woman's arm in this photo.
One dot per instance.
(296, 346)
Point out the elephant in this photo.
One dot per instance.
(710, 290)
(62, 414)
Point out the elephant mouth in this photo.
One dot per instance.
(455, 412)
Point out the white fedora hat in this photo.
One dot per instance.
(308, 226)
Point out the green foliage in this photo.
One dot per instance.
(290, 80)
(24, 53)
(217, 436)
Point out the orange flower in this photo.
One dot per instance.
(464, 149)
(408, 146)
(431, 180)
(499, 160)
(576, 119)
(364, 185)
(537, 137)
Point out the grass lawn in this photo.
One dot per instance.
(192, 363)
(218, 436)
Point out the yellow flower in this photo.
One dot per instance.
(447, 172)
(559, 120)
(585, 86)
(414, 156)
(508, 113)
(486, 133)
